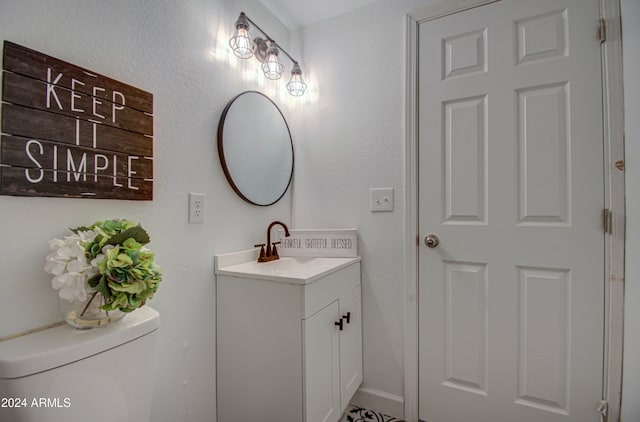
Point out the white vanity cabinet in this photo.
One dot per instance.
(332, 357)
(289, 338)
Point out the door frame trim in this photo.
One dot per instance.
(613, 125)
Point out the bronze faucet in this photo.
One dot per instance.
(271, 253)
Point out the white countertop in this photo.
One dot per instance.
(295, 270)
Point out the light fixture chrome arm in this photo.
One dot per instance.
(271, 40)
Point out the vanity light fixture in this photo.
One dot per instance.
(296, 85)
(241, 43)
(272, 67)
(266, 51)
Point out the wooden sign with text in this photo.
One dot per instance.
(70, 132)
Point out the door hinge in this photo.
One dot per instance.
(607, 221)
(603, 410)
(602, 30)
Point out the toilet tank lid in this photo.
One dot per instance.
(60, 345)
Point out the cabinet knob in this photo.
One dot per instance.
(347, 317)
(339, 324)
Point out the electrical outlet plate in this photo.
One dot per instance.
(196, 208)
(381, 199)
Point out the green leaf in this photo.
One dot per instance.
(94, 250)
(137, 233)
(134, 287)
(103, 288)
(93, 281)
(111, 225)
(134, 255)
(80, 229)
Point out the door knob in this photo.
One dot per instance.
(431, 240)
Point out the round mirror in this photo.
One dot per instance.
(255, 148)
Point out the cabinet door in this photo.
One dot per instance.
(322, 365)
(350, 346)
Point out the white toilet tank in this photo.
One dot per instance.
(64, 374)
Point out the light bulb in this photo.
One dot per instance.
(272, 67)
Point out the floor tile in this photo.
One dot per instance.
(358, 414)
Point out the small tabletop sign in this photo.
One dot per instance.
(319, 243)
(70, 132)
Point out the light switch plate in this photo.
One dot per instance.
(381, 199)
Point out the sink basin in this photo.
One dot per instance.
(295, 270)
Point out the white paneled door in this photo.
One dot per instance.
(511, 299)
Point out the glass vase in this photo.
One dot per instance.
(87, 314)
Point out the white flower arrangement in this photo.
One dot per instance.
(107, 258)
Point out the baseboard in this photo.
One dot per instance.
(380, 401)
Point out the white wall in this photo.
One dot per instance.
(631, 52)
(177, 50)
(352, 139)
